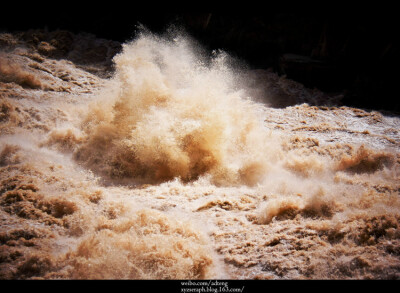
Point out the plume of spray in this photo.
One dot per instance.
(174, 112)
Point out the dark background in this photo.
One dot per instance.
(353, 51)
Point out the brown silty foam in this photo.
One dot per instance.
(175, 166)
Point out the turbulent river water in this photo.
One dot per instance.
(166, 161)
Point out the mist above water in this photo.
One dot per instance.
(174, 113)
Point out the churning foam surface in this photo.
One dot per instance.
(170, 166)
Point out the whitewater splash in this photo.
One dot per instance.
(171, 169)
(174, 114)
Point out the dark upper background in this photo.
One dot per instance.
(354, 52)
